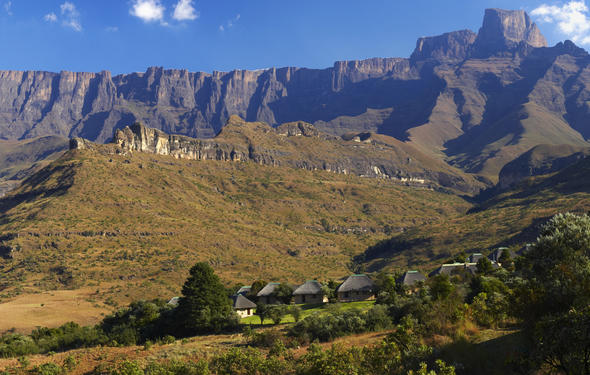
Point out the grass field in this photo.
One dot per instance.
(307, 310)
(50, 309)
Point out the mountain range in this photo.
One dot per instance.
(476, 101)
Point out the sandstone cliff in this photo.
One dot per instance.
(298, 145)
(476, 101)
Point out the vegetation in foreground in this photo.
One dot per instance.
(544, 294)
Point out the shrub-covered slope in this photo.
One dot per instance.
(139, 221)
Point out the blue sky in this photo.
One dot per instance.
(130, 35)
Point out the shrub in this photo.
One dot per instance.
(276, 313)
(247, 362)
(168, 339)
(14, 345)
(265, 338)
(48, 369)
(336, 324)
(128, 368)
(178, 368)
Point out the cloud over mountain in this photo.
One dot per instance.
(572, 19)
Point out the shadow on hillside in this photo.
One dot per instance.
(496, 356)
(38, 186)
(390, 247)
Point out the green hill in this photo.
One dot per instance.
(512, 218)
(131, 225)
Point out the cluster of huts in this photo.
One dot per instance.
(355, 288)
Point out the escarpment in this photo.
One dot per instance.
(476, 101)
(298, 145)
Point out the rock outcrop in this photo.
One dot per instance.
(504, 30)
(454, 46)
(474, 101)
(298, 145)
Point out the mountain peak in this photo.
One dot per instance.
(503, 30)
(449, 46)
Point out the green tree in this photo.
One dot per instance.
(563, 341)
(284, 293)
(277, 313)
(441, 287)
(386, 289)
(262, 310)
(506, 260)
(295, 312)
(255, 288)
(484, 266)
(330, 291)
(128, 368)
(204, 306)
(557, 269)
(48, 369)
(554, 297)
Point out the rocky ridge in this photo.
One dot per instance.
(298, 145)
(476, 101)
(540, 160)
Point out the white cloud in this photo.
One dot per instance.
(8, 7)
(50, 17)
(185, 10)
(71, 16)
(112, 29)
(231, 23)
(572, 19)
(67, 7)
(148, 10)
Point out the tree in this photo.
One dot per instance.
(277, 313)
(262, 310)
(330, 291)
(564, 341)
(441, 287)
(554, 297)
(283, 292)
(506, 260)
(204, 306)
(484, 266)
(255, 288)
(386, 289)
(295, 312)
(557, 269)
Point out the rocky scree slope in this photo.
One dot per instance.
(476, 101)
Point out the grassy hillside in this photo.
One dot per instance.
(19, 159)
(510, 219)
(131, 226)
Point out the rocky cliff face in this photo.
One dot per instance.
(475, 101)
(196, 104)
(504, 30)
(297, 145)
(454, 46)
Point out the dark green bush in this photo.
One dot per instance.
(340, 323)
